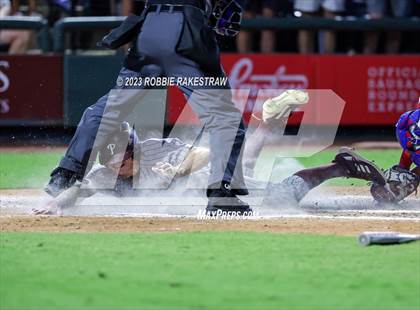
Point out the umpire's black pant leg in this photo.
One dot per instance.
(103, 118)
(80, 147)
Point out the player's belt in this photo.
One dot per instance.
(165, 8)
(197, 3)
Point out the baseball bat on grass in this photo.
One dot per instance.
(385, 238)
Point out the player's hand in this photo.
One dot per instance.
(165, 169)
(50, 209)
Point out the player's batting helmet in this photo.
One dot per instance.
(116, 148)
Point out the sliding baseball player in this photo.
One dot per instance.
(162, 164)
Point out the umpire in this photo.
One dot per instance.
(171, 38)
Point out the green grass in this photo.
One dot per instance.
(31, 170)
(383, 158)
(26, 170)
(204, 271)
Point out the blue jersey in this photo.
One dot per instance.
(408, 134)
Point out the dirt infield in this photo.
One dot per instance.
(112, 224)
(328, 211)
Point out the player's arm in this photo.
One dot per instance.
(5, 10)
(15, 6)
(405, 160)
(127, 7)
(196, 159)
(69, 197)
(66, 199)
(32, 6)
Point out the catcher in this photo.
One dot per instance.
(401, 182)
(161, 163)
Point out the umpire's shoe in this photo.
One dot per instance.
(223, 200)
(358, 167)
(61, 179)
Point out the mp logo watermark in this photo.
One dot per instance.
(183, 158)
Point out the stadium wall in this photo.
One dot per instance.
(31, 90)
(54, 90)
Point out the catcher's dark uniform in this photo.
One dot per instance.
(175, 41)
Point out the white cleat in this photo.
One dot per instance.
(282, 105)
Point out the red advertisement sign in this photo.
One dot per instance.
(262, 75)
(376, 89)
(31, 90)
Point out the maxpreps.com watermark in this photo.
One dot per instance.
(226, 215)
(201, 81)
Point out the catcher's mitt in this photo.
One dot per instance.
(401, 183)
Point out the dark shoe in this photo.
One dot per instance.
(61, 179)
(223, 201)
(358, 167)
